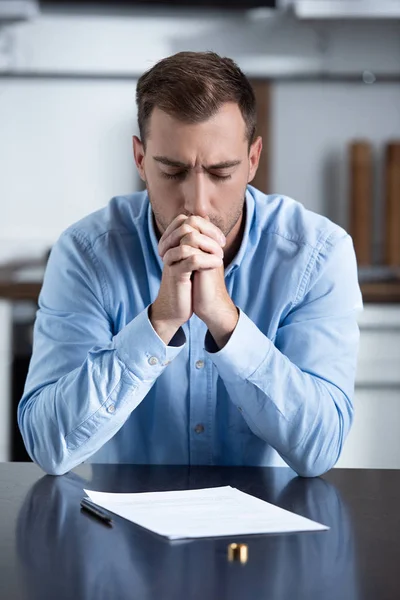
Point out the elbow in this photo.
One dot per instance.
(311, 466)
(48, 451)
(48, 460)
(55, 469)
(312, 461)
(318, 456)
(323, 446)
(320, 453)
(50, 464)
(51, 459)
(312, 470)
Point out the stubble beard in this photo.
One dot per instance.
(225, 226)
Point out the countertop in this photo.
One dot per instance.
(22, 280)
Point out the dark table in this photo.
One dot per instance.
(49, 549)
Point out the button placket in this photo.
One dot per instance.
(199, 433)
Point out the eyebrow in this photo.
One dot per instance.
(177, 163)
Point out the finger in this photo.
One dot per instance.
(189, 225)
(174, 255)
(207, 228)
(173, 225)
(193, 238)
(174, 238)
(198, 262)
(203, 242)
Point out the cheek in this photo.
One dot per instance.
(165, 201)
(230, 193)
(168, 198)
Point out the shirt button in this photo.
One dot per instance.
(240, 408)
(199, 428)
(153, 360)
(111, 408)
(199, 364)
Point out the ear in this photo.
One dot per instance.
(254, 158)
(138, 152)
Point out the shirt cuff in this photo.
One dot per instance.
(244, 352)
(143, 351)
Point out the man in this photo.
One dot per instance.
(199, 322)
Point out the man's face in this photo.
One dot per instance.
(198, 169)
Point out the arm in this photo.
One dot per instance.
(83, 381)
(296, 391)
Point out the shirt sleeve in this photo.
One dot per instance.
(83, 381)
(296, 391)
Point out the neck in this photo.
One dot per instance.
(234, 238)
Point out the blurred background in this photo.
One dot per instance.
(327, 78)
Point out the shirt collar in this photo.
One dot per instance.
(152, 233)
(237, 260)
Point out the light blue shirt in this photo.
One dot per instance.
(103, 387)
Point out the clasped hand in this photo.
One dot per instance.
(193, 277)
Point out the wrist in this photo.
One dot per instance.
(164, 327)
(222, 325)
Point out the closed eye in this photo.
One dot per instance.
(220, 176)
(182, 175)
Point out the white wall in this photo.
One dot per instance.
(374, 440)
(65, 149)
(5, 375)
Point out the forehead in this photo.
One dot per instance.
(225, 129)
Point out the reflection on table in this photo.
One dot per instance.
(65, 553)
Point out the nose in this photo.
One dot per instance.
(196, 195)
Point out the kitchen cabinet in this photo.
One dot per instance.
(374, 440)
(5, 379)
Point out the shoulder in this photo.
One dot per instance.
(123, 215)
(282, 216)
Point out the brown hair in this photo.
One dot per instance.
(192, 86)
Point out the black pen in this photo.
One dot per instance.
(96, 511)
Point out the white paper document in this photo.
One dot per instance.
(211, 512)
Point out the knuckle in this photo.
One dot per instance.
(168, 257)
(189, 251)
(190, 237)
(186, 229)
(194, 262)
(192, 221)
(177, 222)
(184, 251)
(215, 246)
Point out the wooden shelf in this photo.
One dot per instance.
(383, 292)
(20, 290)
